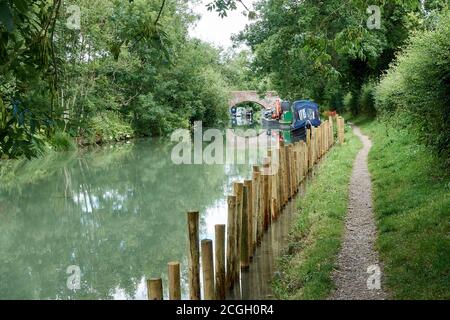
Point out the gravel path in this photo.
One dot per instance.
(352, 278)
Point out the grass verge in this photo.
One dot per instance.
(411, 192)
(305, 270)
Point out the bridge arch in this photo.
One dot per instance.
(267, 102)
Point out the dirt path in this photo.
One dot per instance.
(352, 279)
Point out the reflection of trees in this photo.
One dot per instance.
(119, 214)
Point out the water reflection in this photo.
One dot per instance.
(116, 212)
(255, 282)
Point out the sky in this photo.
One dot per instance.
(215, 29)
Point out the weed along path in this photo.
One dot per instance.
(358, 275)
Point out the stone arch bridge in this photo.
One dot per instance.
(267, 101)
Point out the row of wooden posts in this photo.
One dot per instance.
(254, 205)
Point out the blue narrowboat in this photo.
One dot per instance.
(305, 114)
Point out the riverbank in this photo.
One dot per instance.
(411, 195)
(316, 235)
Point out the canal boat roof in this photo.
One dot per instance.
(305, 111)
(301, 104)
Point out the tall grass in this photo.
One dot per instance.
(411, 191)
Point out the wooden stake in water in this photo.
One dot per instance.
(238, 190)
(208, 269)
(249, 185)
(244, 231)
(281, 180)
(256, 205)
(265, 193)
(174, 280)
(154, 289)
(231, 242)
(194, 256)
(219, 246)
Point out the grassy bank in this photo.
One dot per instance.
(305, 272)
(412, 206)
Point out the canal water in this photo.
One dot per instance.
(116, 213)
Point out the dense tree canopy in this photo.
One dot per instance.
(130, 68)
(104, 72)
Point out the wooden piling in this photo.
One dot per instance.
(265, 195)
(282, 181)
(174, 280)
(279, 182)
(249, 185)
(245, 263)
(287, 174)
(331, 131)
(238, 190)
(295, 171)
(308, 148)
(219, 248)
(257, 206)
(273, 208)
(231, 242)
(208, 269)
(341, 129)
(154, 289)
(194, 255)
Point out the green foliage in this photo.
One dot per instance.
(28, 72)
(317, 231)
(417, 85)
(350, 103)
(131, 64)
(108, 127)
(18, 135)
(323, 49)
(366, 99)
(412, 203)
(62, 141)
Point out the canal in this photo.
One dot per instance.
(118, 213)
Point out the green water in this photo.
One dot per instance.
(117, 212)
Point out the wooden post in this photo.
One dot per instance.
(174, 280)
(266, 193)
(302, 160)
(279, 183)
(245, 263)
(208, 269)
(331, 132)
(305, 151)
(238, 190)
(291, 171)
(154, 289)
(295, 171)
(309, 147)
(219, 246)
(341, 130)
(316, 143)
(282, 185)
(231, 241)
(194, 256)
(288, 172)
(273, 208)
(321, 138)
(257, 205)
(249, 185)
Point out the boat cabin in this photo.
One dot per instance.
(305, 115)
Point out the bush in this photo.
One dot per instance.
(108, 127)
(418, 85)
(62, 141)
(367, 99)
(350, 104)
